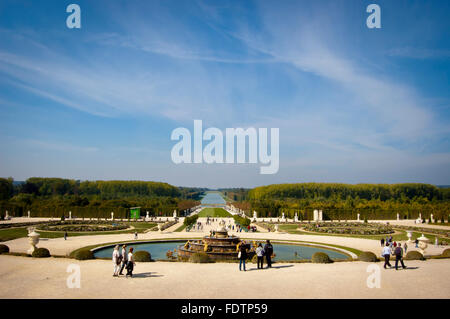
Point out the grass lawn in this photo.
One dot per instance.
(14, 233)
(292, 229)
(214, 212)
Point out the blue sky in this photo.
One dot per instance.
(353, 104)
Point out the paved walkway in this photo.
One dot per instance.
(23, 277)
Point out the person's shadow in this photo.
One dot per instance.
(146, 275)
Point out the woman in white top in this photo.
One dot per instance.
(116, 261)
(130, 264)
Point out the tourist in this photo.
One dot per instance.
(268, 252)
(124, 259)
(130, 264)
(386, 253)
(116, 260)
(405, 247)
(242, 255)
(417, 243)
(395, 244)
(382, 242)
(399, 256)
(135, 235)
(65, 235)
(260, 256)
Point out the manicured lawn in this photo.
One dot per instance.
(14, 233)
(214, 212)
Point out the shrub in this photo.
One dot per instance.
(200, 258)
(40, 253)
(414, 255)
(142, 256)
(321, 258)
(84, 254)
(5, 249)
(368, 256)
(446, 253)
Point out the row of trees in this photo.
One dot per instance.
(383, 192)
(52, 197)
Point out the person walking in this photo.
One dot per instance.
(130, 263)
(382, 242)
(399, 256)
(268, 252)
(135, 235)
(259, 256)
(417, 243)
(405, 247)
(386, 253)
(116, 260)
(65, 235)
(242, 255)
(124, 259)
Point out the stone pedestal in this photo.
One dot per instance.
(112, 215)
(283, 218)
(70, 215)
(409, 235)
(316, 215)
(296, 218)
(431, 218)
(29, 214)
(320, 215)
(147, 218)
(7, 215)
(33, 239)
(358, 218)
(398, 216)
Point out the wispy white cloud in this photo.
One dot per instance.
(419, 53)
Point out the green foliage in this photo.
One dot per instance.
(4, 249)
(243, 221)
(446, 252)
(414, 255)
(142, 256)
(191, 220)
(200, 258)
(368, 256)
(84, 254)
(6, 188)
(321, 258)
(41, 253)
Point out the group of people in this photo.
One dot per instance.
(123, 260)
(261, 252)
(393, 244)
(397, 252)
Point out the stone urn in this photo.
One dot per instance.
(276, 228)
(423, 243)
(159, 227)
(33, 239)
(409, 235)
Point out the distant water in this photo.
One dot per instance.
(212, 198)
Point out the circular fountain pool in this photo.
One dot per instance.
(283, 251)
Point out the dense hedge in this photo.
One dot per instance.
(191, 220)
(243, 221)
(4, 249)
(84, 254)
(368, 256)
(321, 258)
(414, 255)
(41, 253)
(142, 256)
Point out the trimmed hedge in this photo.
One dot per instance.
(40, 253)
(84, 254)
(321, 258)
(368, 256)
(4, 249)
(142, 256)
(446, 253)
(201, 258)
(414, 255)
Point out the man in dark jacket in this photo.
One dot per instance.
(243, 255)
(399, 256)
(268, 252)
